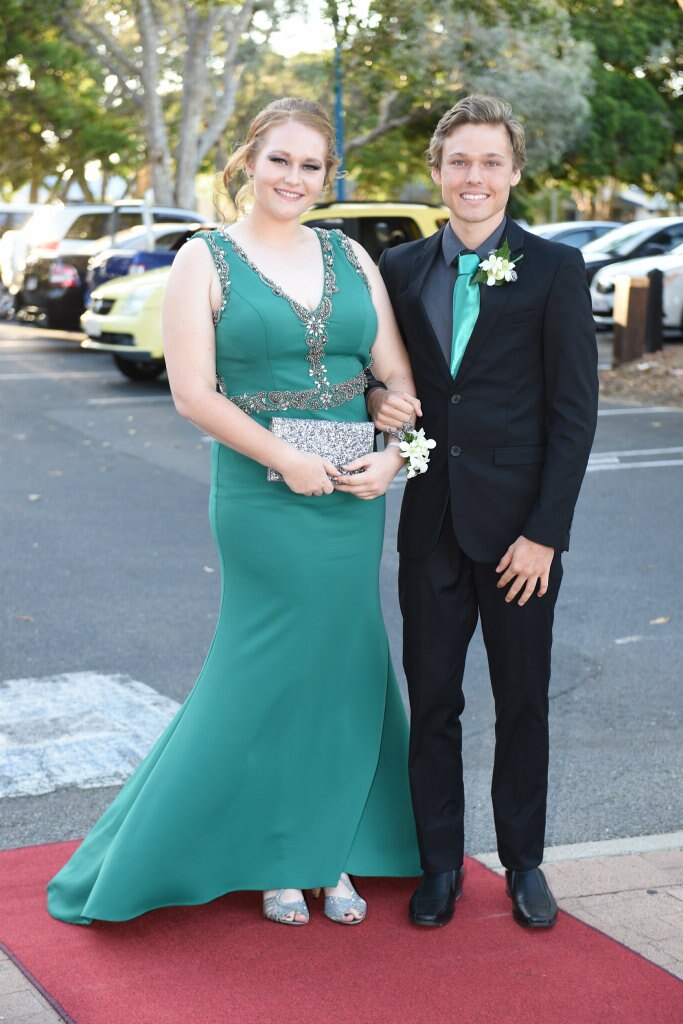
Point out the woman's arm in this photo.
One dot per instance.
(192, 292)
(398, 404)
(391, 365)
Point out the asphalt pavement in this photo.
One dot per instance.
(108, 568)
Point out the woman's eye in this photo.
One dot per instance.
(311, 167)
(278, 160)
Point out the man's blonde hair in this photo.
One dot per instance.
(479, 110)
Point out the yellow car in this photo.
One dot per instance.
(124, 315)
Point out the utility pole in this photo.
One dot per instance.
(339, 102)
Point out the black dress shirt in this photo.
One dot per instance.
(438, 291)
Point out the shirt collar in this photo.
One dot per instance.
(451, 246)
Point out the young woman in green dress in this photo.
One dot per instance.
(285, 768)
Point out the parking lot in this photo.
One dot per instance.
(109, 570)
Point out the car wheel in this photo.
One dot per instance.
(135, 369)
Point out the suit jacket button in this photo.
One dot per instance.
(455, 450)
(455, 399)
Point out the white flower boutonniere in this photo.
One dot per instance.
(498, 268)
(414, 447)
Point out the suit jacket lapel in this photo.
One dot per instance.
(419, 271)
(493, 302)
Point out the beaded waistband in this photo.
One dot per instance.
(309, 400)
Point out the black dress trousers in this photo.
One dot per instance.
(442, 595)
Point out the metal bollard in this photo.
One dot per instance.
(655, 312)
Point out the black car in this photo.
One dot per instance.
(650, 237)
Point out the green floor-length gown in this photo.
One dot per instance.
(287, 763)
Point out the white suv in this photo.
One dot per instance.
(60, 230)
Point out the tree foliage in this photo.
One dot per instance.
(54, 114)
(179, 62)
(636, 118)
(409, 62)
(155, 83)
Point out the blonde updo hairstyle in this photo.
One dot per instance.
(290, 108)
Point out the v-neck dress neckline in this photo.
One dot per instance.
(301, 310)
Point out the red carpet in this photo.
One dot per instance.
(223, 964)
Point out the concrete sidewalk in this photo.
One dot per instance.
(632, 890)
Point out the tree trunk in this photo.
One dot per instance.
(158, 150)
(198, 28)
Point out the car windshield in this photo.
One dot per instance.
(619, 242)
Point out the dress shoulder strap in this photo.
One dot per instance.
(345, 243)
(222, 268)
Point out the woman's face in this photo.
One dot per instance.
(289, 170)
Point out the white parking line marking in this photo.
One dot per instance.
(72, 375)
(125, 400)
(78, 729)
(654, 464)
(639, 411)
(636, 451)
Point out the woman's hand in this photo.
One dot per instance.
(378, 470)
(308, 474)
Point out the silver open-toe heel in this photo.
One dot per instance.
(336, 907)
(275, 909)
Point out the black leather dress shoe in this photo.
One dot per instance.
(533, 904)
(433, 902)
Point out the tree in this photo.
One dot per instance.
(408, 63)
(179, 62)
(636, 123)
(54, 117)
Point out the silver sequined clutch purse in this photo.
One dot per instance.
(338, 441)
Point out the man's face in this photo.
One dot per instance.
(476, 174)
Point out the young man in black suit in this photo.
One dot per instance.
(511, 403)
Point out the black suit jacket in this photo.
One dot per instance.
(514, 429)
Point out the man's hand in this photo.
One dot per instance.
(527, 565)
(391, 409)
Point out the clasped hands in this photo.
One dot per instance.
(367, 477)
(311, 475)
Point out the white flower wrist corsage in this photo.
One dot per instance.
(414, 447)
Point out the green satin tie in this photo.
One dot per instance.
(465, 307)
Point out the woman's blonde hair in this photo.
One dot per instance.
(290, 108)
(479, 110)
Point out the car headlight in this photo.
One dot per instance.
(135, 301)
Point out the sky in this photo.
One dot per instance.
(310, 33)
